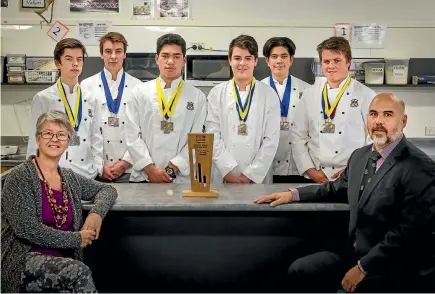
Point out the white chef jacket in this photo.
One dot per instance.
(325, 151)
(114, 146)
(147, 143)
(250, 154)
(85, 159)
(283, 163)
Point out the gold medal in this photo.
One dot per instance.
(328, 127)
(284, 126)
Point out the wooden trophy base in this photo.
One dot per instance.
(190, 193)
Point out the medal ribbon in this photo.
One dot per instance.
(111, 104)
(329, 110)
(285, 101)
(76, 117)
(167, 108)
(243, 110)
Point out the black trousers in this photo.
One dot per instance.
(323, 272)
(291, 179)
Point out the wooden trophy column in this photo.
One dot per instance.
(200, 160)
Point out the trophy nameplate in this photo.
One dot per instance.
(200, 161)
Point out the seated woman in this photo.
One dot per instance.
(42, 237)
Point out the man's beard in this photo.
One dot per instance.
(385, 138)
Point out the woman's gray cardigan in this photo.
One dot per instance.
(21, 217)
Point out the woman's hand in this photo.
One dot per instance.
(87, 237)
(93, 222)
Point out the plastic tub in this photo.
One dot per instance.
(374, 73)
(396, 71)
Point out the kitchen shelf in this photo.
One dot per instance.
(402, 86)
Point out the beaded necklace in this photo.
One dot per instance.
(60, 212)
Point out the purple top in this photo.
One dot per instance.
(48, 220)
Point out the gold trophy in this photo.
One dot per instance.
(200, 160)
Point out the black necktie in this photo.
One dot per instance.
(369, 170)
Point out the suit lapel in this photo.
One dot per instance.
(381, 172)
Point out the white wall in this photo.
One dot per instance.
(411, 31)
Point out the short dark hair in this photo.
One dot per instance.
(336, 44)
(276, 42)
(244, 42)
(113, 37)
(68, 43)
(171, 39)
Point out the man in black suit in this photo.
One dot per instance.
(390, 188)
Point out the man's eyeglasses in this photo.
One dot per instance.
(50, 135)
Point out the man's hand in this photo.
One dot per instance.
(107, 173)
(119, 168)
(275, 199)
(231, 178)
(245, 179)
(93, 222)
(337, 174)
(317, 176)
(352, 278)
(157, 175)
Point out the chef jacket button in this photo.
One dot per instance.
(336, 152)
(347, 93)
(126, 86)
(108, 141)
(321, 132)
(264, 138)
(70, 160)
(333, 167)
(279, 161)
(125, 103)
(289, 143)
(119, 159)
(294, 105)
(122, 122)
(342, 112)
(111, 159)
(120, 141)
(339, 133)
(291, 124)
(323, 167)
(105, 122)
(321, 111)
(86, 119)
(84, 140)
(287, 161)
(99, 86)
(59, 100)
(83, 159)
(294, 89)
(84, 100)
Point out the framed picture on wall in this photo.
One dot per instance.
(4, 3)
(101, 6)
(38, 4)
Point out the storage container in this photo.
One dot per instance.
(40, 63)
(16, 78)
(16, 59)
(41, 76)
(374, 73)
(396, 71)
(15, 68)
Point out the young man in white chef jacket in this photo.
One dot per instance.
(160, 116)
(280, 53)
(330, 122)
(113, 87)
(244, 116)
(85, 152)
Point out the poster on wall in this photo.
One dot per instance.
(173, 9)
(32, 3)
(100, 6)
(368, 36)
(343, 30)
(4, 3)
(142, 9)
(90, 32)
